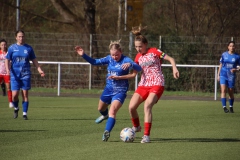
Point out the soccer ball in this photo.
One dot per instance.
(127, 134)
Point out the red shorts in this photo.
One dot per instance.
(144, 91)
(6, 78)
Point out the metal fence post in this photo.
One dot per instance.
(90, 66)
(59, 79)
(160, 42)
(215, 90)
(130, 44)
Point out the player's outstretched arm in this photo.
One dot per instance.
(7, 65)
(219, 69)
(134, 65)
(35, 63)
(80, 51)
(175, 70)
(128, 76)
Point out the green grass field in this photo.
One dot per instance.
(63, 128)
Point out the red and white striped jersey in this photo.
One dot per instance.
(151, 67)
(2, 63)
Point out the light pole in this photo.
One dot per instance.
(17, 14)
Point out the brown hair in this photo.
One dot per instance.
(19, 31)
(138, 35)
(3, 40)
(231, 42)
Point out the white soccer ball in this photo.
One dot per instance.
(127, 134)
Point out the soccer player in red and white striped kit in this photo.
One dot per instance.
(151, 85)
(3, 73)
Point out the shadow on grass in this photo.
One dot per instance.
(65, 119)
(22, 130)
(74, 119)
(169, 140)
(195, 140)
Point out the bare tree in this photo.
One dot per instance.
(213, 18)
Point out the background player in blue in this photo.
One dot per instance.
(226, 75)
(116, 87)
(19, 54)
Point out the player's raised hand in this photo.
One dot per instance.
(79, 50)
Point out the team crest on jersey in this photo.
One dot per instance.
(233, 59)
(25, 51)
(151, 55)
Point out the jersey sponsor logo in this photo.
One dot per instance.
(149, 61)
(15, 50)
(117, 66)
(113, 73)
(228, 65)
(20, 59)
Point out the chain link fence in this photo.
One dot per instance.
(59, 47)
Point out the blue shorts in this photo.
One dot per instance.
(17, 84)
(108, 96)
(229, 82)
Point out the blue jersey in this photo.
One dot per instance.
(20, 56)
(228, 61)
(115, 69)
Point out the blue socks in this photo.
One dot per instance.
(110, 124)
(231, 101)
(25, 106)
(15, 104)
(224, 101)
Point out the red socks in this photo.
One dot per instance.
(147, 128)
(9, 96)
(147, 125)
(135, 122)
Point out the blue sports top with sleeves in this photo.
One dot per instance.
(229, 61)
(20, 56)
(115, 69)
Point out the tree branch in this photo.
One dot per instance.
(37, 15)
(64, 11)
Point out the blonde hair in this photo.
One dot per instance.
(138, 35)
(115, 45)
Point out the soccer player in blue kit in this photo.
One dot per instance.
(19, 55)
(116, 87)
(227, 75)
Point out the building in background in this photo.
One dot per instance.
(134, 13)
